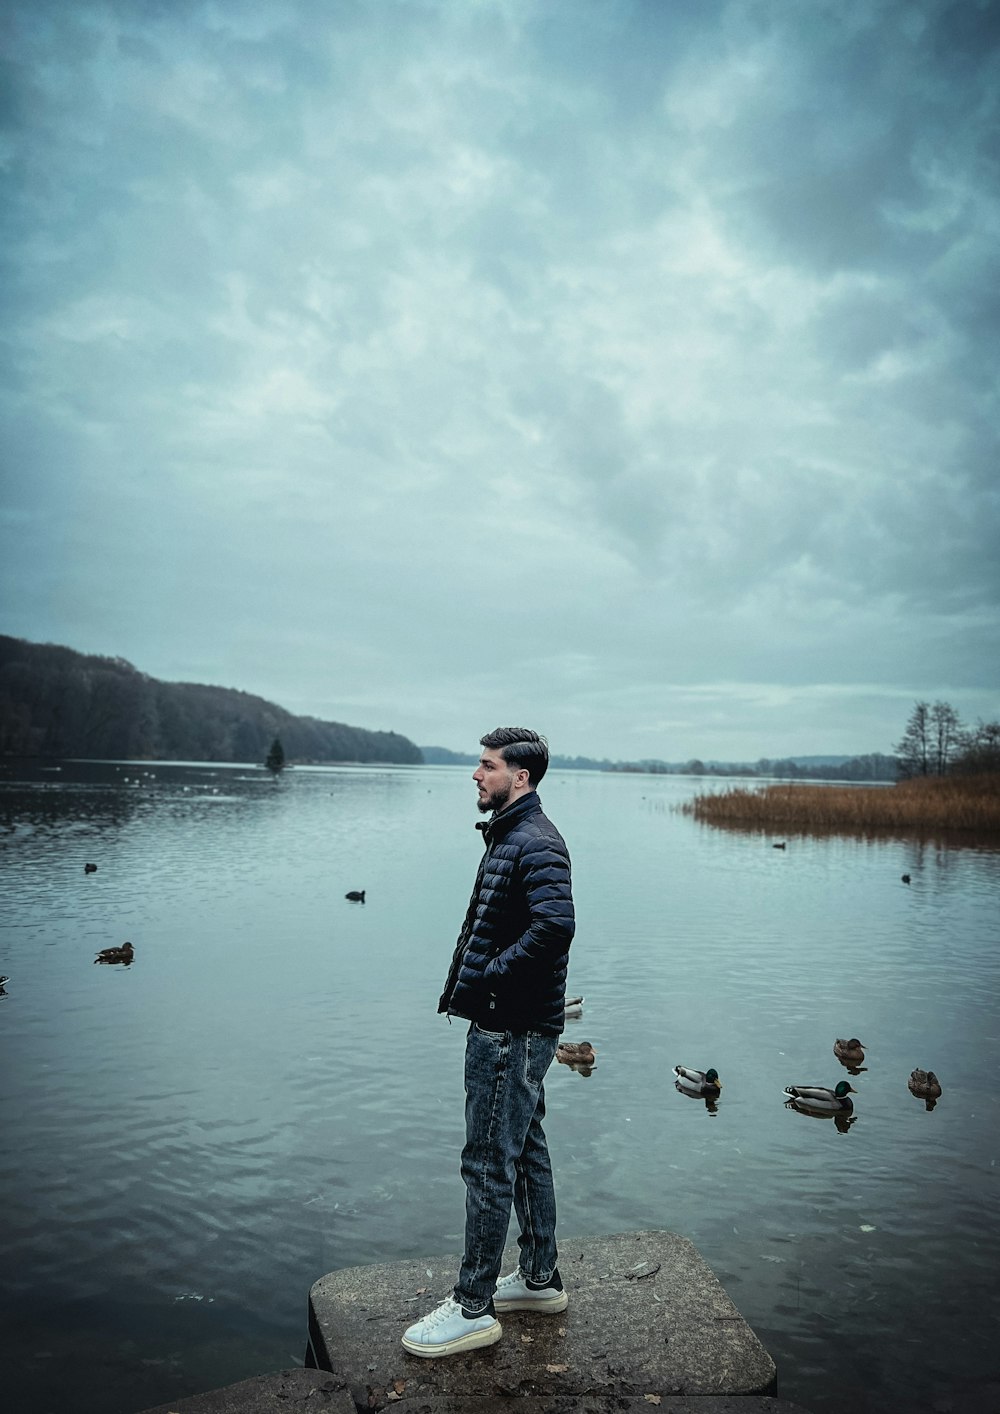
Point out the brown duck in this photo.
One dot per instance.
(123, 954)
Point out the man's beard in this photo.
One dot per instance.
(495, 799)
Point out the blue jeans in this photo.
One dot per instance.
(505, 1160)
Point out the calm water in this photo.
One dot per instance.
(267, 1094)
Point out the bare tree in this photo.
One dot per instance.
(914, 747)
(933, 741)
(946, 736)
(979, 748)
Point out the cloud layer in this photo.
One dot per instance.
(628, 369)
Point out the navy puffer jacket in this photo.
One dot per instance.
(508, 972)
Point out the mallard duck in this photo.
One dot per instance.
(924, 1084)
(820, 1097)
(573, 1006)
(704, 1083)
(850, 1052)
(123, 954)
(576, 1053)
(356, 895)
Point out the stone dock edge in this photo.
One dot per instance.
(648, 1325)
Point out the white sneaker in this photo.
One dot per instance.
(517, 1292)
(448, 1329)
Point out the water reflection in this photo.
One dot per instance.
(711, 1105)
(922, 842)
(841, 1119)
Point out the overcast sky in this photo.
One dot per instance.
(625, 369)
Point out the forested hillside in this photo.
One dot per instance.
(57, 702)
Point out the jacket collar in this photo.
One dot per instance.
(498, 825)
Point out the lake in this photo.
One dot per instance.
(267, 1094)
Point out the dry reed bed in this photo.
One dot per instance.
(948, 802)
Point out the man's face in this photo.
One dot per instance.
(495, 780)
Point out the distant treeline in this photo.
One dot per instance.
(441, 756)
(56, 702)
(873, 767)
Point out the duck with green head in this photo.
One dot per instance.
(704, 1084)
(821, 1097)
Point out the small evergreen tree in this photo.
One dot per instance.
(276, 756)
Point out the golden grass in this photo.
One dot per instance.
(928, 803)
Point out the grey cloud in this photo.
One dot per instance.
(354, 329)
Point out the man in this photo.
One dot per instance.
(508, 979)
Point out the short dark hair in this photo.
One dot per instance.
(520, 747)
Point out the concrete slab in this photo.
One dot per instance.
(599, 1404)
(281, 1393)
(286, 1391)
(647, 1315)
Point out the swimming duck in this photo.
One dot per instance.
(123, 954)
(90, 868)
(820, 1097)
(924, 1084)
(356, 895)
(576, 1053)
(850, 1052)
(703, 1083)
(573, 1006)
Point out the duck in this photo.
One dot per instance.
(821, 1097)
(123, 954)
(924, 1084)
(703, 1083)
(851, 1052)
(781, 845)
(575, 1053)
(355, 895)
(905, 878)
(90, 868)
(573, 1006)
